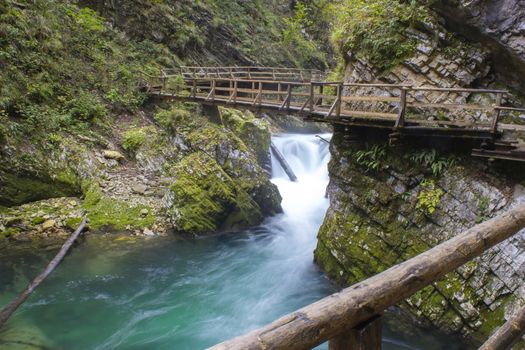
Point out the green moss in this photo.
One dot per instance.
(16, 189)
(73, 223)
(176, 119)
(207, 199)
(253, 131)
(9, 231)
(104, 212)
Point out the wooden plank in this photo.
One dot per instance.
(450, 106)
(370, 98)
(366, 336)
(330, 316)
(357, 113)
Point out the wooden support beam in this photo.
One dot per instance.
(338, 100)
(330, 317)
(497, 113)
(365, 336)
(311, 97)
(400, 122)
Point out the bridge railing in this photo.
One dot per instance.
(351, 319)
(473, 112)
(249, 72)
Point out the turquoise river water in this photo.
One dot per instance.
(120, 292)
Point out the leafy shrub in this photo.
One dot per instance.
(86, 107)
(133, 139)
(429, 197)
(173, 119)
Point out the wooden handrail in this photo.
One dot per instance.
(338, 313)
(508, 335)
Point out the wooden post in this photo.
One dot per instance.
(235, 91)
(312, 96)
(194, 90)
(321, 92)
(366, 336)
(279, 89)
(508, 335)
(288, 96)
(339, 97)
(400, 122)
(497, 113)
(259, 95)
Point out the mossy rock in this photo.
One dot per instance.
(253, 131)
(207, 199)
(16, 189)
(108, 213)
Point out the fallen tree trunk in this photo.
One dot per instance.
(508, 335)
(280, 158)
(7, 311)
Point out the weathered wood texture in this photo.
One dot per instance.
(508, 335)
(7, 311)
(366, 336)
(330, 317)
(284, 164)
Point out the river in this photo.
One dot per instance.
(121, 292)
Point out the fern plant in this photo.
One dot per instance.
(371, 159)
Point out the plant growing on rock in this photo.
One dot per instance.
(375, 30)
(429, 197)
(133, 139)
(371, 158)
(431, 160)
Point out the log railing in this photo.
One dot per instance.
(403, 108)
(351, 319)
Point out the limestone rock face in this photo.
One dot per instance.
(390, 204)
(498, 24)
(188, 174)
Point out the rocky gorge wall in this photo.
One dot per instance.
(174, 170)
(390, 204)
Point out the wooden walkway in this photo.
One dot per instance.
(405, 110)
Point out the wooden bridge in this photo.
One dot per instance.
(477, 114)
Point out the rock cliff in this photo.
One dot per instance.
(175, 170)
(388, 204)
